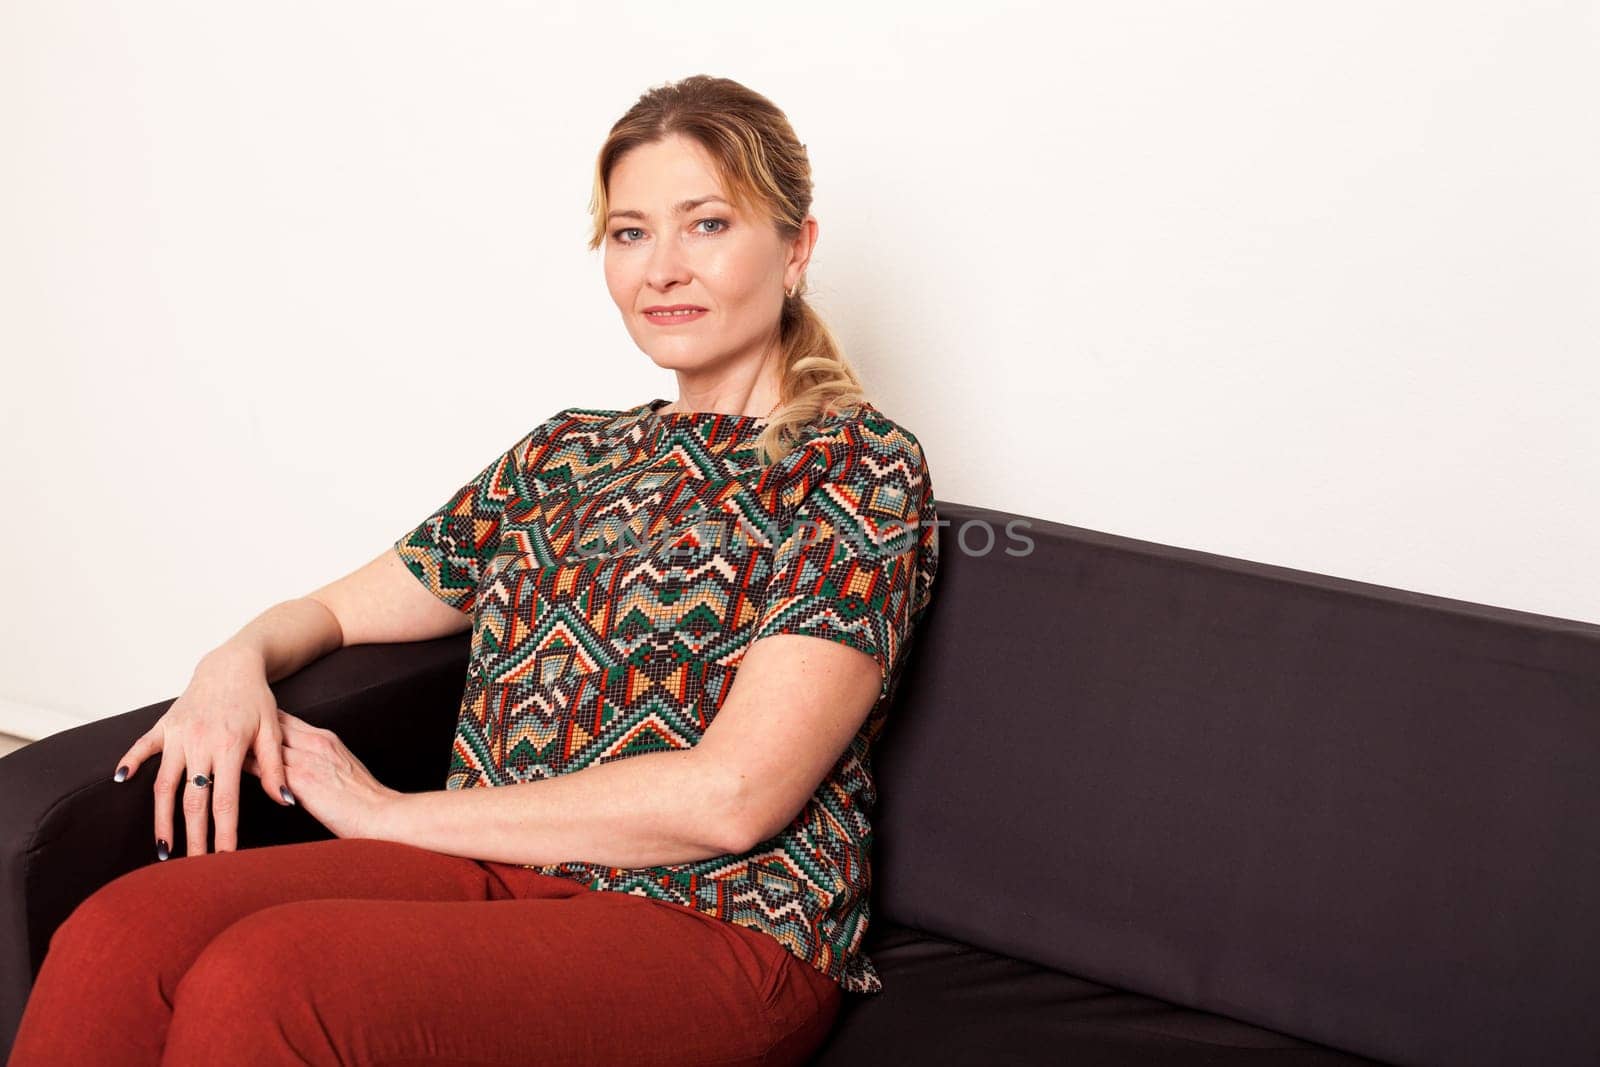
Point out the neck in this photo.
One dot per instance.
(737, 387)
(759, 402)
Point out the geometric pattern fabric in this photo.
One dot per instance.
(617, 564)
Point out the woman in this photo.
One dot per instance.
(687, 621)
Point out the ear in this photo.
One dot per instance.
(800, 249)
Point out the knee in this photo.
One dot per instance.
(115, 916)
(249, 996)
(249, 961)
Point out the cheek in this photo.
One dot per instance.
(620, 282)
(739, 280)
(623, 271)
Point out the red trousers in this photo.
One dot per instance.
(357, 951)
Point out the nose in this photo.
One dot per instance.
(668, 266)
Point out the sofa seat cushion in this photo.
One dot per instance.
(946, 1002)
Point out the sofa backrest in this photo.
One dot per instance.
(1358, 815)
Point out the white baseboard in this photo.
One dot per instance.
(32, 722)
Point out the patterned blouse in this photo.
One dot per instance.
(618, 563)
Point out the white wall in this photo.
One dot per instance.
(1310, 284)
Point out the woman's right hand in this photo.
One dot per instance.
(227, 711)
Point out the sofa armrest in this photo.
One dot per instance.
(66, 828)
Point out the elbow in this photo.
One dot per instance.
(736, 840)
(338, 624)
(742, 819)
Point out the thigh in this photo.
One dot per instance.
(105, 988)
(585, 977)
(188, 900)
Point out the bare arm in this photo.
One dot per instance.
(795, 705)
(376, 603)
(648, 809)
(227, 712)
(382, 602)
(279, 641)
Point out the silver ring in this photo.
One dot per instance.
(201, 780)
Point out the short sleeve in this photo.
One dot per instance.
(855, 565)
(447, 551)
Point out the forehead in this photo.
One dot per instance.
(654, 177)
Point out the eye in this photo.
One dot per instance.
(617, 234)
(722, 224)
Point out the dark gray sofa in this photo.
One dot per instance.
(1138, 805)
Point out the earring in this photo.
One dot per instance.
(791, 290)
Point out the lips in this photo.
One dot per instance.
(680, 315)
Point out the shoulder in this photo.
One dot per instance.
(865, 472)
(577, 419)
(862, 434)
(577, 427)
(861, 447)
(604, 416)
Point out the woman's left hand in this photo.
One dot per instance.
(327, 779)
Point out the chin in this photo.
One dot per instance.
(670, 359)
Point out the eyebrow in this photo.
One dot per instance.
(680, 208)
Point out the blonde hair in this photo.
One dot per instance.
(765, 172)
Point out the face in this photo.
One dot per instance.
(659, 252)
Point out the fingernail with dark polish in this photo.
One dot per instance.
(161, 849)
(288, 797)
(122, 774)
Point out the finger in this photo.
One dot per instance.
(292, 725)
(297, 733)
(196, 803)
(253, 766)
(268, 752)
(148, 745)
(169, 779)
(224, 790)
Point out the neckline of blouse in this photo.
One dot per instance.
(653, 408)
